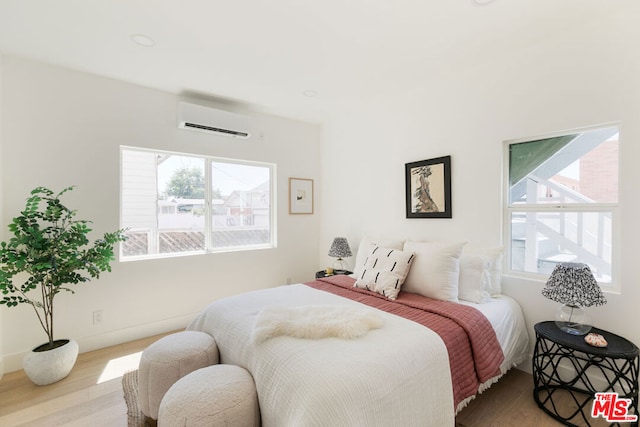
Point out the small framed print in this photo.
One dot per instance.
(300, 196)
(428, 188)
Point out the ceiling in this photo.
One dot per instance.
(266, 54)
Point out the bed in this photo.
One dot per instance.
(398, 372)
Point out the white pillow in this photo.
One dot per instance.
(474, 278)
(494, 255)
(366, 246)
(384, 271)
(436, 270)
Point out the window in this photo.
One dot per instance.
(176, 204)
(562, 202)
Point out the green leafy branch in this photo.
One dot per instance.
(50, 250)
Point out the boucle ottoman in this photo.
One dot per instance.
(167, 360)
(219, 395)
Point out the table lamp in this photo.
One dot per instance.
(339, 249)
(573, 285)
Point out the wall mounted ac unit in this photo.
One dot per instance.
(210, 120)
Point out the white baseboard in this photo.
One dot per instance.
(525, 365)
(566, 370)
(13, 362)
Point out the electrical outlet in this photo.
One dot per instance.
(97, 317)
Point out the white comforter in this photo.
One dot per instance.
(397, 375)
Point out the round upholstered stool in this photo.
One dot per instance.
(167, 360)
(219, 395)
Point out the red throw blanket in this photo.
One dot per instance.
(475, 354)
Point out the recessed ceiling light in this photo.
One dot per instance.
(142, 40)
(309, 93)
(482, 2)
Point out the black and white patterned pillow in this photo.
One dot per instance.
(384, 271)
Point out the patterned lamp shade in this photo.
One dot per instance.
(573, 285)
(339, 249)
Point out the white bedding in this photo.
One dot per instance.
(505, 315)
(397, 375)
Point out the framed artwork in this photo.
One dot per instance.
(428, 187)
(300, 196)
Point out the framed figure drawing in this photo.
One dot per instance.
(428, 188)
(300, 196)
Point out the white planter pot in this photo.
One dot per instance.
(47, 367)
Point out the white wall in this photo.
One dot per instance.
(62, 128)
(587, 76)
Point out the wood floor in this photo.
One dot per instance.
(509, 402)
(82, 400)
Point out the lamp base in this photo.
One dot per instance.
(339, 264)
(573, 320)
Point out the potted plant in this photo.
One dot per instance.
(50, 251)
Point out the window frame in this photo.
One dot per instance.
(509, 208)
(208, 205)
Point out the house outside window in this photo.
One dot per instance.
(177, 204)
(562, 203)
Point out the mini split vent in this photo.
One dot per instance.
(210, 120)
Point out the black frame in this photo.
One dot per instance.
(444, 181)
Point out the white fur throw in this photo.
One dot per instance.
(314, 322)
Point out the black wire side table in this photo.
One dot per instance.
(617, 364)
